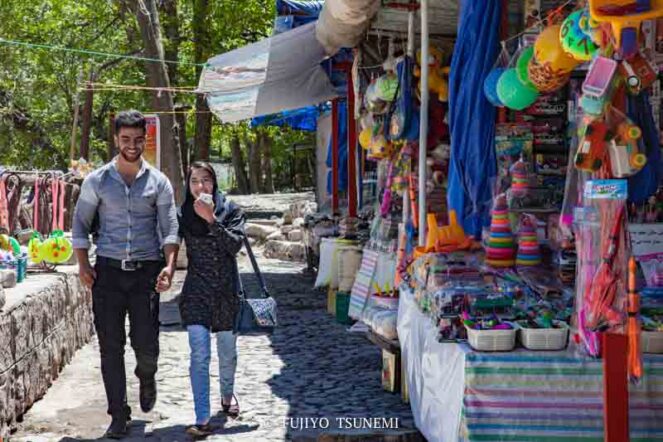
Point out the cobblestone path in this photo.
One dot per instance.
(311, 368)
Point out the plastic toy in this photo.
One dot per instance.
(513, 93)
(548, 51)
(500, 250)
(592, 146)
(521, 66)
(544, 78)
(490, 86)
(625, 17)
(574, 41)
(34, 248)
(638, 73)
(625, 156)
(453, 234)
(436, 73)
(529, 253)
(598, 86)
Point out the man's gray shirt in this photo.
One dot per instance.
(134, 222)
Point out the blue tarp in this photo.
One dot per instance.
(473, 169)
(305, 119)
(644, 184)
(292, 13)
(342, 151)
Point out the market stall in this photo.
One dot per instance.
(516, 293)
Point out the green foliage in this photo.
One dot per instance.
(38, 86)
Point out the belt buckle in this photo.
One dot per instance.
(128, 266)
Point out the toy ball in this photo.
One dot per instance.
(386, 87)
(513, 93)
(548, 50)
(521, 66)
(57, 249)
(490, 86)
(574, 41)
(544, 78)
(34, 249)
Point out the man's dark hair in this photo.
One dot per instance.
(129, 118)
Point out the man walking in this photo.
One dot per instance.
(129, 206)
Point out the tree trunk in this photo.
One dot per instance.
(86, 118)
(203, 136)
(239, 166)
(171, 28)
(201, 48)
(180, 117)
(255, 172)
(268, 183)
(162, 100)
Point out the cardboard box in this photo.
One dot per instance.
(391, 371)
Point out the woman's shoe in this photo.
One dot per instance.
(231, 409)
(197, 431)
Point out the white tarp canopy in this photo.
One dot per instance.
(283, 72)
(273, 75)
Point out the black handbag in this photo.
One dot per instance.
(256, 316)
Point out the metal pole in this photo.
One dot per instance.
(352, 149)
(334, 168)
(410, 33)
(423, 118)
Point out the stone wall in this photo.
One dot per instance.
(46, 319)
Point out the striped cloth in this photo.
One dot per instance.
(361, 289)
(551, 397)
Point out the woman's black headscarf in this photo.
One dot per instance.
(190, 219)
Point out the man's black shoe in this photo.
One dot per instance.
(117, 428)
(148, 395)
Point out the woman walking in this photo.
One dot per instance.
(213, 230)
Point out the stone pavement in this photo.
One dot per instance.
(310, 368)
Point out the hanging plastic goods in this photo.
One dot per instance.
(437, 75)
(633, 326)
(601, 249)
(490, 83)
(624, 18)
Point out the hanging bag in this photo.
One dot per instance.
(256, 316)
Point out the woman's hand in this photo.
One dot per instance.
(204, 210)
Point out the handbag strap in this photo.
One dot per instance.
(256, 269)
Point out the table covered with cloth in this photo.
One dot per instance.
(458, 394)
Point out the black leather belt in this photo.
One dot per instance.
(126, 265)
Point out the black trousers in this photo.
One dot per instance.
(114, 294)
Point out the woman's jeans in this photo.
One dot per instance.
(199, 341)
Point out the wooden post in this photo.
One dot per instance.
(615, 387)
(334, 168)
(352, 149)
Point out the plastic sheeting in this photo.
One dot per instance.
(342, 151)
(305, 119)
(472, 169)
(294, 13)
(645, 183)
(435, 373)
(342, 23)
(276, 74)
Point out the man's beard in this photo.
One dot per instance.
(129, 159)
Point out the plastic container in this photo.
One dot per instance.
(652, 342)
(342, 307)
(492, 340)
(545, 338)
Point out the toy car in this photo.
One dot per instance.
(592, 147)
